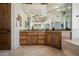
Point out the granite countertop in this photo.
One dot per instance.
(42, 30)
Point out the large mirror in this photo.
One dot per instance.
(64, 14)
(51, 16)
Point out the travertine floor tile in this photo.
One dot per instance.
(41, 50)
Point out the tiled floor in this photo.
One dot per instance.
(33, 50)
(41, 50)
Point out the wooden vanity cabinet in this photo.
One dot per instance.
(23, 38)
(41, 38)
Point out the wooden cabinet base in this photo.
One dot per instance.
(41, 38)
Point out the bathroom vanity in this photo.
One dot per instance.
(51, 38)
(44, 29)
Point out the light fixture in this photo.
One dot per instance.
(27, 10)
(69, 7)
(56, 7)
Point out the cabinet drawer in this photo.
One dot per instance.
(23, 33)
(23, 42)
(41, 37)
(28, 39)
(34, 33)
(29, 33)
(22, 37)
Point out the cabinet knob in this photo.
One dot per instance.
(8, 30)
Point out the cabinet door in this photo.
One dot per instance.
(29, 39)
(41, 38)
(4, 41)
(5, 15)
(23, 38)
(5, 37)
(41, 41)
(56, 39)
(1, 39)
(34, 39)
(48, 38)
(5, 26)
(23, 42)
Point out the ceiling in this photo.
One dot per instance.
(35, 8)
(54, 6)
(38, 8)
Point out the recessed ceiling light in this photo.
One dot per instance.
(69, 7)
(27, 10)
(56, 7)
